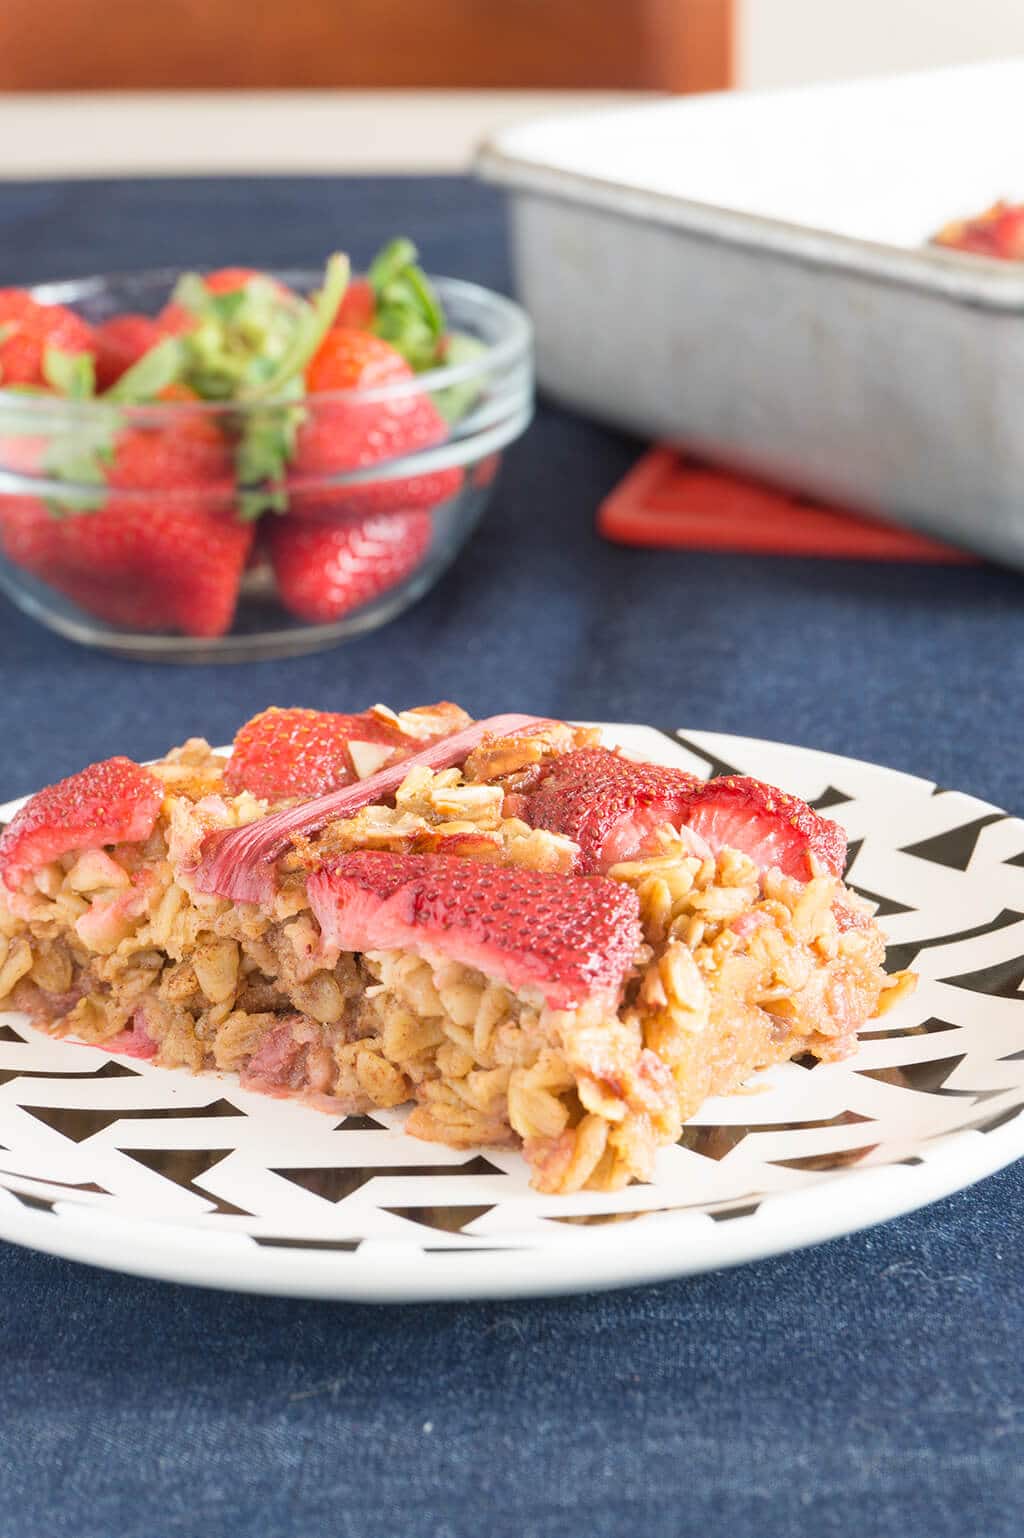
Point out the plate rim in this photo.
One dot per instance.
(593, 1263)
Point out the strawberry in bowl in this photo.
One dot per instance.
(247, 463)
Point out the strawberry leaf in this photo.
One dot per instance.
(240, 338)
(161, 366)
(80, 455)
(455, 400)
(265, 448)
(312, 325)
(191, 293)
(81, 448)
(267, 442)
(408, 312)
(391, 262)
(72, 374)
(77, 449)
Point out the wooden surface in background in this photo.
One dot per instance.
(61, 45)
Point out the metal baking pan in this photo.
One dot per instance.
(748, 274)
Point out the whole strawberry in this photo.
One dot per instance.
(28, 329)
(358, 308)
(339, 435)
(166, 552)
(119, 342)
(325, 571)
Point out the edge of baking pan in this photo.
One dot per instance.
(965, 279)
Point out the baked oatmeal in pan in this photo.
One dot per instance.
(535, 940)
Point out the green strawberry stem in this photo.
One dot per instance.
(392, 261)
(408, 312)
(78, 451)
(314, 324)
(70, 373)
(161, 366)
(266, 443)
(454, 401)
(395, 277)
(81, 450)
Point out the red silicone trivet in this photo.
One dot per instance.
(673, 502)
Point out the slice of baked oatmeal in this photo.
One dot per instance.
(537, 941)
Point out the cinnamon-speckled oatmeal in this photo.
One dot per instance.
(537, 942)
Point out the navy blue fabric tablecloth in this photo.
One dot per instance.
(869, 1387)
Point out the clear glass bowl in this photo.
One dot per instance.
(154, 575)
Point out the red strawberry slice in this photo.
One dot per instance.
(300, 752)
(775, 829)
(28, 329)
(113, 802)
(573, 939)
(239, 863)
(121, 341)
(166, 552)
(608, 804)
(342, 435)
(324, 571)
(308, 752)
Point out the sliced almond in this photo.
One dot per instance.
(368, 757)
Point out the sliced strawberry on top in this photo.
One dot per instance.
(29, 329)
(326, 570)
(571, 938)
(239, 862)
(607, 804)
(121, 341)
(775, 829)
(296, 752)
(113, 802)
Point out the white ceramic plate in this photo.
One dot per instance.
(111, 1161)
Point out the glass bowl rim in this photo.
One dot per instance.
(512, 346)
